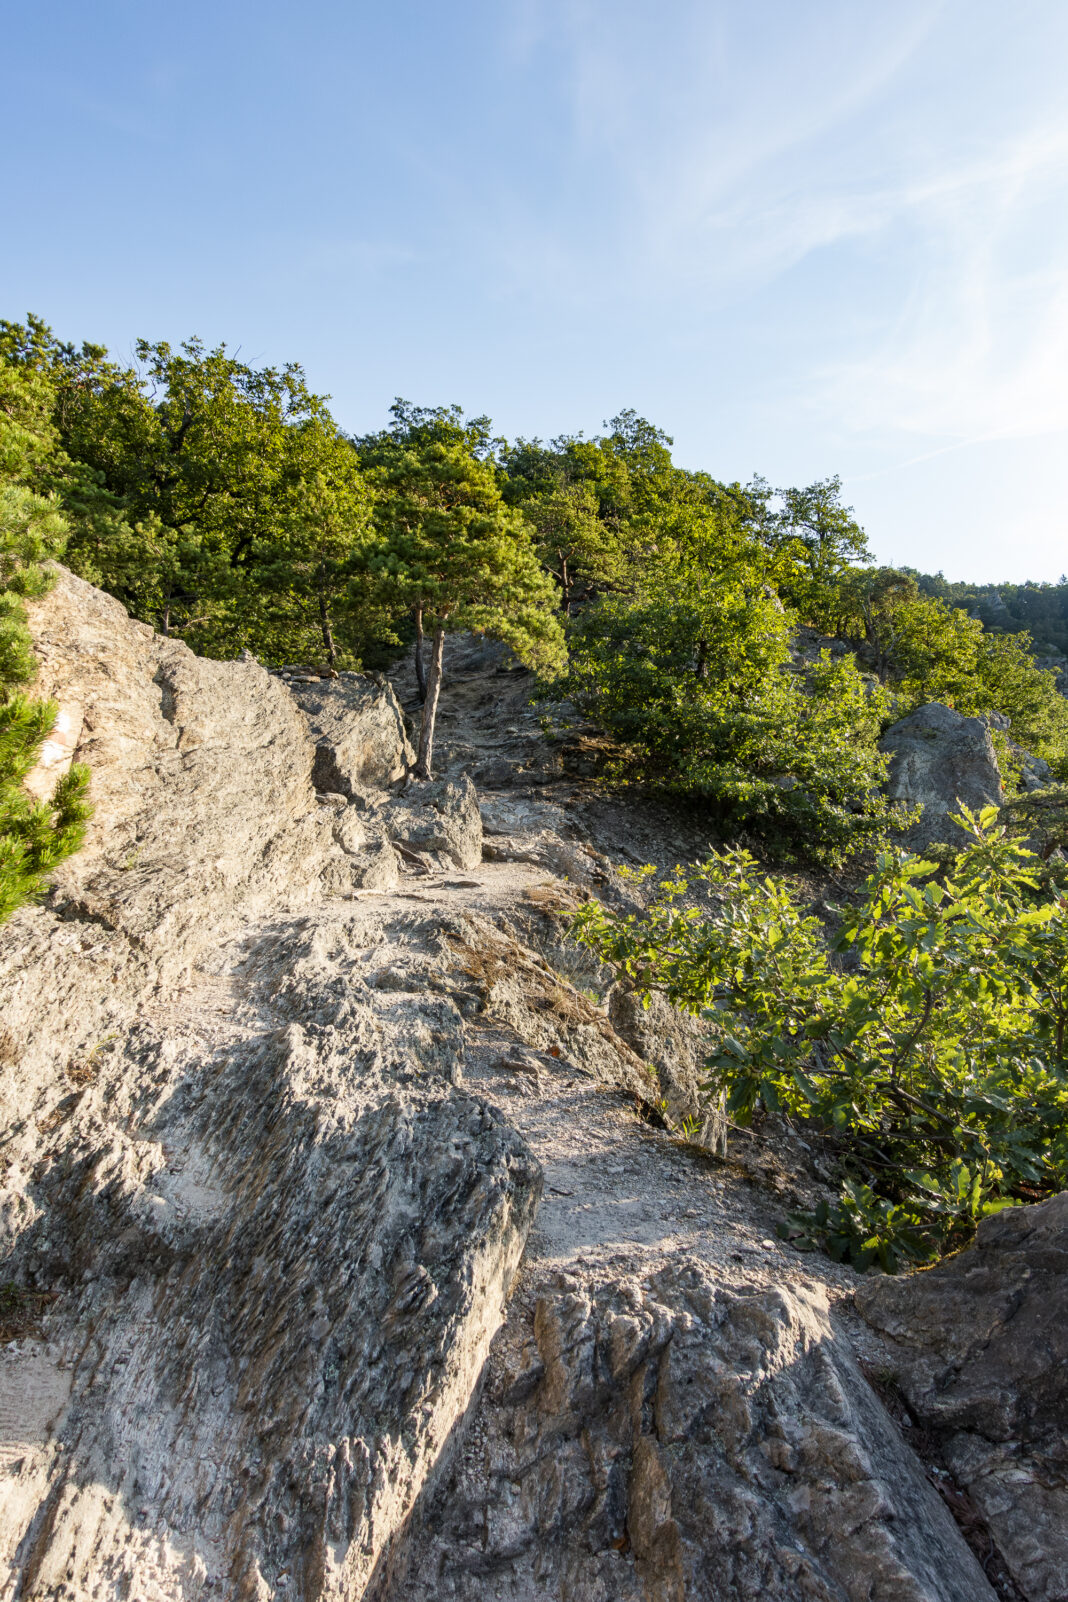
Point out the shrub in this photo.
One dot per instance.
(928, 1038)
(697, 684)
(35, 836)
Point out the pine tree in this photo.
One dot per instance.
(35, 836)
(450, 552)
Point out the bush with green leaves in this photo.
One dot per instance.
(35, 836)
(692, 673)
(928, 1038)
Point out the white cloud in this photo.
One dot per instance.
(712, 169)
(979, 348)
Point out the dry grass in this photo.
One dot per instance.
(84, 1070)
(551, 898)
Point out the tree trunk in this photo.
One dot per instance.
(430, 708)
(565, 584)
(420, 666)
(328, 634)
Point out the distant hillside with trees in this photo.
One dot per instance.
(1040, 610)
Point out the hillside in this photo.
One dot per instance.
(351, 1249)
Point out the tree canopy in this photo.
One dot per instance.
(222, 502)
(450, 552)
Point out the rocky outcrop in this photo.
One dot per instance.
(671, 1440)
(938, 760)
(205, 818)
(278, 1089)
(272, 1233)
(982, 1360)
(359, 733)
(278, 1267)
(521, 830)
(438, 823)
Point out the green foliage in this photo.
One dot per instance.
(447, 546)
(449, 551)
(572, 543)
(926, 650)
(306, 595)
(34, 836)
(221, 502)
(929, 1038)
(1038, 610)
(691, 671)
(216, 500)
(1040, 819)
(814, 539)
(31, 530)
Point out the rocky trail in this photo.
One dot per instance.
(352, 1252)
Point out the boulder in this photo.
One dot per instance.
(372, 861)
(938, 760)
(675, 1044)
(439, 821)
(358, 728)
(981, 1351)
(678, 1439)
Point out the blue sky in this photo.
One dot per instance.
(803, 236)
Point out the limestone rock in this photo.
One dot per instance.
(358, 728)
(439, 821)
(372, 861)
(1035, 774)
(676, 1440)
(672, 1042)
(983, 1360)
(541, 833)
(277, 1268)
(938, 758)
(205, 817)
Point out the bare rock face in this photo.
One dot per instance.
(280, 1266)
(265, 1230)
(273, 1235)
(439, 822)
(205, 817)
(524, 830)
(938, 758)
(674, 1440)
(358, 728)
(983, 1361)
(672, 1042)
